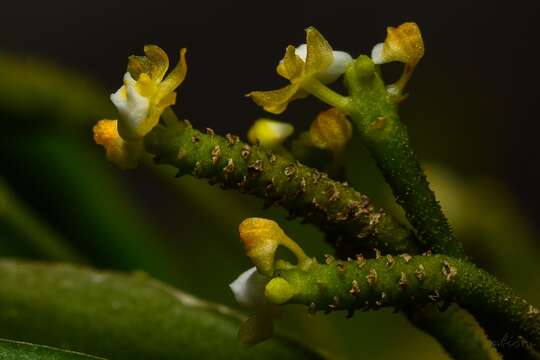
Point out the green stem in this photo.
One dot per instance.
(375, 115)
(327, 95)
(337, 209)
(402, 282)
(165, 142)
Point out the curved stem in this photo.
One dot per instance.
(375, 115)
(327, 95)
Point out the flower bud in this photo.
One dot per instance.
(269, 133)
(331, 130)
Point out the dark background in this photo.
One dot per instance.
(472, 109)
(474, 93)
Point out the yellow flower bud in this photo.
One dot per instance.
(331, 130)
(118, 151)
(269, 133)
(261, 238)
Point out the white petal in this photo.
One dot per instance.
(301, 51)
(377, 54)
(337, 68)
(248, 288)
(131, 105)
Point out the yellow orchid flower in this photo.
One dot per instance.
(146, 93)
(269, 133)
(403, 44)
(308, 67)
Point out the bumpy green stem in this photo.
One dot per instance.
(374, 113)
(334, 207)
(403, 281)
(195, 148)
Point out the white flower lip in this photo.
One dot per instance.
(377, 54)
(131, 105)
(248, 288)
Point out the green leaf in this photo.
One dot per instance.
(122, 316)
(17, 350)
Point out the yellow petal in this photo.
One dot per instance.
(174, 78)
(276, 101)
(292, 66)
(155, 63)
(118, 151)
(150, 122)
(261, 237)
(146, 86)
(404, 44)
(319, 52)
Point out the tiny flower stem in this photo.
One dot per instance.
(301, 256)
(417, 281)
(375, 115)
(327, 95)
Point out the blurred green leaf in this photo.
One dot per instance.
(121, 316)
(78, 191)
(21, 228)
(32, 89)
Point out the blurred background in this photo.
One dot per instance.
(470, 113)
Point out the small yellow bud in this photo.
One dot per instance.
(269, 133)
(331, 130)
(118, 151)
(278, 291)
(261, 238)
